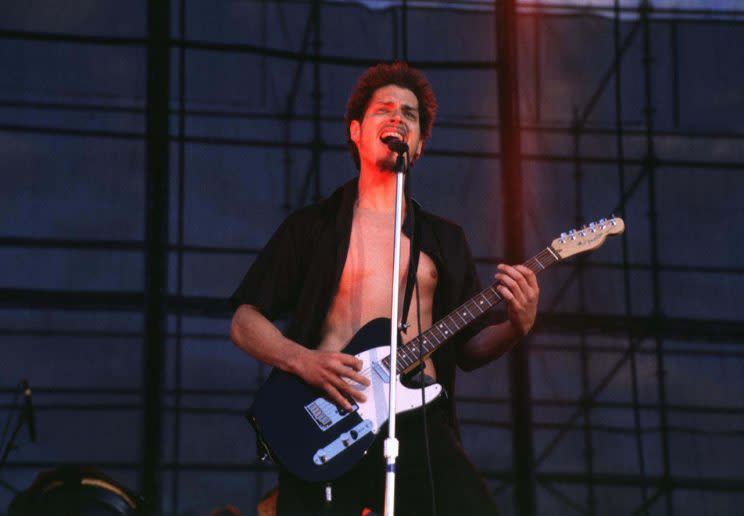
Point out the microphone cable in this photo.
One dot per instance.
(10, 417)
(423, 401)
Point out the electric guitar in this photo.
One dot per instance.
(316, 440)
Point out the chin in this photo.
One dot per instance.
(387, 164)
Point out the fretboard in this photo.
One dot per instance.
(410, 354)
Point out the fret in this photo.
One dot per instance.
(403, 362)
(555, 256)
(414, 344)
(443, 328)
(414, 349)
(496, 295)
(451, 322)
(460, 315)
(441, 331)
(403, 358)
(409, 351)
(484, 299)
(478, 306)
(465, 307)
(436, 339)
(426, 342)
(548, 257)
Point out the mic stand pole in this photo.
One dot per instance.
(391, 443)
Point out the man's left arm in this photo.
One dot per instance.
(518, 285)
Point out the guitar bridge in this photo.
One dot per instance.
(326, 414)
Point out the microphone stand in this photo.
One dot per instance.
(24, 418)
(391, 443)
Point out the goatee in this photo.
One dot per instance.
(386, 164)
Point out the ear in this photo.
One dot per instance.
(418, 151)
(355, 129)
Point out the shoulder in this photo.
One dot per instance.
(446, 231)
(307, 222)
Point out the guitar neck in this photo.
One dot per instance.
(410, 354)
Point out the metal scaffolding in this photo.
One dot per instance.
(166, 305)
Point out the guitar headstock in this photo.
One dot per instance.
(588, 238)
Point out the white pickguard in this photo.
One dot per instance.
(376, 408)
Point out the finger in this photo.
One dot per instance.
(349, 365)
(516, 273)
(345, 371)
(348, 389)
(526, 280)
(336, 396)
(351, 361)
(506, 294)
(529, 275)
(512, 286)
(352, 375)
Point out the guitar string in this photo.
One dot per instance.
(548, 259)
(547, 254)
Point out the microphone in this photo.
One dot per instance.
(30, 418)
(395, 144)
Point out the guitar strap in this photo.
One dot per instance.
(415, 232)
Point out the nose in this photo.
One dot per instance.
(397, 112)
(397, 118)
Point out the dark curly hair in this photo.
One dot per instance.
(385, 74)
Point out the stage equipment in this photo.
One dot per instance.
(78, 491)
(396, 145)
(27, 416)
(391, 443)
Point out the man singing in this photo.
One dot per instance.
(329, 269)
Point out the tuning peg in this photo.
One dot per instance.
(602, 221)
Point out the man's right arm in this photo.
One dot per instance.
(252, 332)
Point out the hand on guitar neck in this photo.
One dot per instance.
(518, 286)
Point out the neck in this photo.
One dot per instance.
(377, 189)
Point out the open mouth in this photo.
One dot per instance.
(392, 134)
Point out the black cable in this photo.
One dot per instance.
(423, 402)
(10, 417)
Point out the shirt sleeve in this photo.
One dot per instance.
(272, 281)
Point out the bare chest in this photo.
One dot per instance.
(367, 273)
(365, 289)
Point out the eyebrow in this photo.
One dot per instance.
(406, 107)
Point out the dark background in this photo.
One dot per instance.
(635, 368)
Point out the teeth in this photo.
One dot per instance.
(393, 134)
